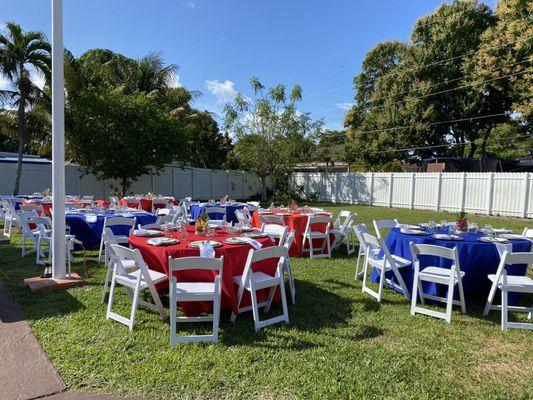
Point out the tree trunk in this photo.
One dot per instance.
(484, 143)
(124, 186)
(473, 148)
(22, 139)
(263, 188)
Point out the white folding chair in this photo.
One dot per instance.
(244, 217)
(510, 284)
(133, 202)
(384, 264)
(195, 291)
(26, 219)
(135, 282)
(254, 203)
(88, 198)
(384, 224)
(113, 200)
(158, 203)
(162, 219)
(444, 276)
(38, 208)
(251, 208)
(342, 229)
(215, 210)
(128, 265)
(276, 232)
(528, 233)
(11, 218)
(253, 281)
(117, 221)
(272, 219)
(311, 235)
(287, 243)
(359, 230)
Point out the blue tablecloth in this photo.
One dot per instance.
(476, 259)
(197, 210)
(90, 233)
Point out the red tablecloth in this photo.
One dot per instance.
(47, 206)
(146, 204)
(156, 257)
(297, 221)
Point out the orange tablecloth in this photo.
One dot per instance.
(297, 221)
(156, 257)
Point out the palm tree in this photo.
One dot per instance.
(20, 51)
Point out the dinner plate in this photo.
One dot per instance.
(256, 235)
(147, 232)
(197, 243)
(414, 232)
(442, 236)
(489, 239)
(237, 240)
(164, 241)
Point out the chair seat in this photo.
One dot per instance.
(437, 274)
(399, 261)
(122, 238)
(515, 283)
(131, 278)
(261, 280)
(190, 291)
(317, 234)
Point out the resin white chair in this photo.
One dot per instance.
(244, 217)
(528, 233)
(162, 219)
(359, 231)
(287, 243)
(210, 211)
(342, 229)
(276, 232)
(11, 218)
(252, 282)
(159, 203)
(117, 221)
(384, 264)
(450, 277)
(38, 208)
(510, 284)
(133, 202)
(135, 282)
(272, 219)
(312, 234)
(384, 224)
(195, 291)
(26, 220)
(129, 265)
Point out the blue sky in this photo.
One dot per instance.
(220, 44)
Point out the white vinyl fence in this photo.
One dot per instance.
(198, 183)
(483, 193)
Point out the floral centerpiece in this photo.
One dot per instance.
(462, 223)
(202, 224)
(293, 206)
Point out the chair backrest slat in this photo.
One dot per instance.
(186, 263)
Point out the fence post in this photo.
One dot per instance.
(439, 191)
(306, 184)
(173, 187)
(390, 188)
(526, 194)
(463, 192)
(336, 188)
(371, 188)
(242, 174)
(412, 200)
(489, 192)
(354, 185)
(192, 184)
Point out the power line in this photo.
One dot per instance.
(418, 67)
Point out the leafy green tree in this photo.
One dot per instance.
(507, 49)
(331, 147)
(121, 136)
(20, 51)
(266, 129)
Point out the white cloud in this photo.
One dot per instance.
(224, 91)
(176, 81)
(344, 106)
(4, 83)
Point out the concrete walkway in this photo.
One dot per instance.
(25, 370)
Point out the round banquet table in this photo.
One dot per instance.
(476, 259)
(297, 221)
(198, 210)
(90, 233)
(146, 204)
(156, 257)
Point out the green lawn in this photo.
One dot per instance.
(339, 343)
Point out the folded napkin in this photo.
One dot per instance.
(207, 250)
(501, 247)
(252, 242)
(404, 228)
(91, 218)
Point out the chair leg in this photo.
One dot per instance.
(449, 300)
(284, 301)
(239, 298)
(382, 279)
(291, 281)
(111, 297)
(271, 292)
(216, 309)
(505, 311)
(173, 311)
(416, 282)
(365, 268)
(357, 266)
(461, 295)
(255, 309)
(134, 307)
(106, 282)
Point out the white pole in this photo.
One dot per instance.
(58, 144)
